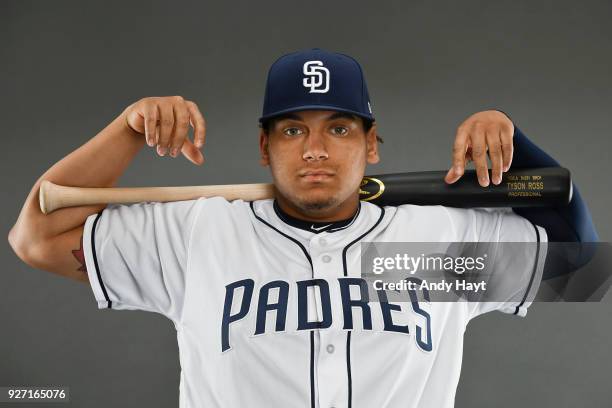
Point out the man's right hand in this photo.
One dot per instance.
(165, 123)
(53, 242)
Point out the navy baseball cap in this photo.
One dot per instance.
(316, 79)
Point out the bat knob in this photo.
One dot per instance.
(43, 196)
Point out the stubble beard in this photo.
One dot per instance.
(309, 204)
(316, 205)
(302, 201)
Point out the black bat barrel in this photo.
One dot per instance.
(533, 187)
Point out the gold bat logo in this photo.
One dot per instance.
(373, 184)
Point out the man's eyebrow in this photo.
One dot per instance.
(298, 117)
(341, 115)
(293, 116)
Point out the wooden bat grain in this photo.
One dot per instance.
(533, 187)
(53, 196)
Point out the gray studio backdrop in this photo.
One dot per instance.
(68, 68)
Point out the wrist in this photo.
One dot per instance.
(126, 124)
(505, 114)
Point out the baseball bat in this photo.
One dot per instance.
(532, 187)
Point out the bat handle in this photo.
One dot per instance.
(53, 196)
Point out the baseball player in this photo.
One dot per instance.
(267, 297)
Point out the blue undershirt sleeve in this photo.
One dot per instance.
(568, 223)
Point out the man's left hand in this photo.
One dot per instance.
(487, 131)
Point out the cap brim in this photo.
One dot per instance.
(314, 107)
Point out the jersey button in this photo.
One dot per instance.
(323, 242)
(326, 258)
(330, 348)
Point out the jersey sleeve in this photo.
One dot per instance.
(137, 255)
(517, 260)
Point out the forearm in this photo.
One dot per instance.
(570, 223)
(98, 163)
(528, 154)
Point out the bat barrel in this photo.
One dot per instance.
(543, 187)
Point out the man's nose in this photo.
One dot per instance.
(314, 147)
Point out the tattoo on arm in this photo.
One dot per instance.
(78, 254)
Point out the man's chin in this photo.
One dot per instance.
(315, 199)
(316, 202)
(317, 205)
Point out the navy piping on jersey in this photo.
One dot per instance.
(349, 375)
(318, 225)
(298, 243)
(535, 268)
(312, 383)
(335, 228)
(109, 304)
(348, 333)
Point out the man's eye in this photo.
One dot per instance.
(292, 131)
(340, 130)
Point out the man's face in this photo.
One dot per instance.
(318, 159)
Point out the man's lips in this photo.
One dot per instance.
(316, 175)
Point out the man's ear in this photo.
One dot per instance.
(372, 145)
(263, 148)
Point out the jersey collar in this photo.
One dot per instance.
(315, 226)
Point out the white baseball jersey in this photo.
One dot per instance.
(267, 314)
